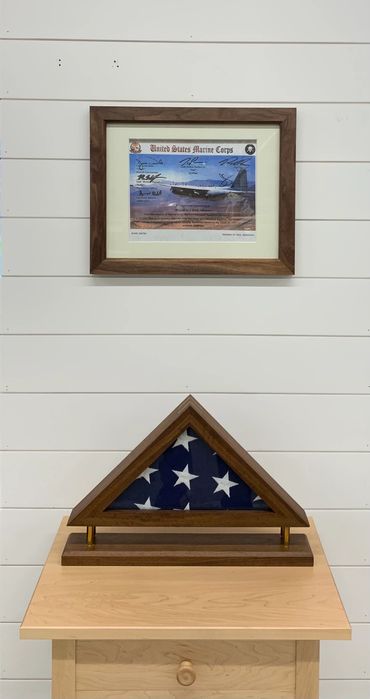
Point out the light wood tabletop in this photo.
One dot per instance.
(107, 602)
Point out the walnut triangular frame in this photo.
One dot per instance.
(193, 547)
(284, 511)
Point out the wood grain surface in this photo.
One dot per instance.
(190, 549)
(184, 603)
(222, 666)
(307, 666)
(63, 669)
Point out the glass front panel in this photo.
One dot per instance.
(189, 475)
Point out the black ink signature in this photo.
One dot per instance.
(142, 164)
(192, 162)
(150, 193)
(234, 162)
(150, 177)
(225, 181)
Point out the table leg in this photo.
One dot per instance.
(307, 669)
(64, 670)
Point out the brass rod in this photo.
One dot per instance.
(90, 535)
(285, 536)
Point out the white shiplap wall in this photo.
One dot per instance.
(91, 365)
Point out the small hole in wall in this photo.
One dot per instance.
(59, 62)
(115, 64)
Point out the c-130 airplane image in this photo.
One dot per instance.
(239, 187)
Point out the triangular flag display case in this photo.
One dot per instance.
(195, 490)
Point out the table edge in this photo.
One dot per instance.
(96, 633)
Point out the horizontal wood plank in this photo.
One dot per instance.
(32, 188)
(344, 689)
(66, 477)
(240, 21)
(323, 249)
(106, 71)
(46, 188)
(316, 480)
(354, 586)
(29, 128)
(139, 364)
(17, 586)
(31, 533)
(42, 247)
(342, 199)
(320, 480)
(339, 531)
(19, 689)
(186, 306)
(338, 660)
(119, 422)
(31, 660)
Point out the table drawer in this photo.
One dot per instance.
(193, 669)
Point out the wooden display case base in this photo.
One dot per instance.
(202, 549)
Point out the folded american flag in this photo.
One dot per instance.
(189, 475)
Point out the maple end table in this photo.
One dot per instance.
(171, 632)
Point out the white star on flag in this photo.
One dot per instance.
(184, 477)
(147, 473)
(224, 484)
(147, 505)
(183, 440)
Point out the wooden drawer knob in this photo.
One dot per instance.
(186, 673)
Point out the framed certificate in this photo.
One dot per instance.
(192, 191)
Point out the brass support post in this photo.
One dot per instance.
(90, 536)
(285, 536)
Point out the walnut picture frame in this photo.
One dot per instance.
(192, 191)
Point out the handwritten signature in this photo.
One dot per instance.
(192, 162)
(150, 177)
(151, 193)
(142, 164)
(225, 181)
(234, 162)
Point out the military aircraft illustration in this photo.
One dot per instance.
(238, 187)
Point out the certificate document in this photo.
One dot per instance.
(192, 191)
